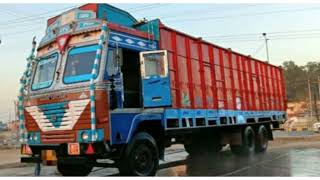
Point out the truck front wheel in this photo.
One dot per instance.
(248, 143)
(141, 156)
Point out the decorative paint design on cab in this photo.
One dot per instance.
(63, 24)
(58, 116)
(132, 41)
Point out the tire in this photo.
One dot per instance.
(141, 156)
(67, 169)
(248, 143)
(261, 139)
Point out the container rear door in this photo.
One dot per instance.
(155, 79)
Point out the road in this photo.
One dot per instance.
(285, 157)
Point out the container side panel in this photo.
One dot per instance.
(252, 82)
(176, 70)
(246, 101)
(208, 76)
(264, 85)
(274, 80)
(223, 88)
(183, 82)
(273, 100)
(232, 77)
(167, 43)
(181, 47)
(202, 76)
(172, 79)
(240, 84)
(190, 78)
(268, 93)
(194, 72)
(196, 83)
(183, 72)
(258, 90)
(213, 77)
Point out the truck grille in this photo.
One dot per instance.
(58, 116)
(57, 137)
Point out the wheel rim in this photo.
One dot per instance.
(143, 160)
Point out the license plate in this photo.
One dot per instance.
(73, 149)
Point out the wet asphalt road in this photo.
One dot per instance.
(297, 159)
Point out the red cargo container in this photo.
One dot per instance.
(206, 76)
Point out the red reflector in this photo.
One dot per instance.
(26, 150)
(90, 149)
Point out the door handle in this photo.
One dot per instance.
(153, 82)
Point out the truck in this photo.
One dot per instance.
(104, 85)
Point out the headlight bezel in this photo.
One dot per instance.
(84, 135)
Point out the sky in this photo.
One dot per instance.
(292, 29)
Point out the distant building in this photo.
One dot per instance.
(3, 126)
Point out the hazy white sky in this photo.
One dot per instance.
(293, 30)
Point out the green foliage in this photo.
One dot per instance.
(296, 78)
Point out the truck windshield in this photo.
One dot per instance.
(79, 64)
(44, 73)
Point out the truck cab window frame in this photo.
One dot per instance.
(79, 64)
(154, 64)
(38, 82)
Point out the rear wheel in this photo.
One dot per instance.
(141, 157)
(261, 139)
(80, 169)
(248, 143)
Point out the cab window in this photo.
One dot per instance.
(79, 64)
(44, 72)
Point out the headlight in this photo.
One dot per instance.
(35, 137)
(84, 135)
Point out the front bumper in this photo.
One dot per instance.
(40, 152)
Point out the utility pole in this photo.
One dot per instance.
(310, 98)
(267, 49)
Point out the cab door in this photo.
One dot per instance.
(155, 79)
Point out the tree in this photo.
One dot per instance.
(296, 81)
